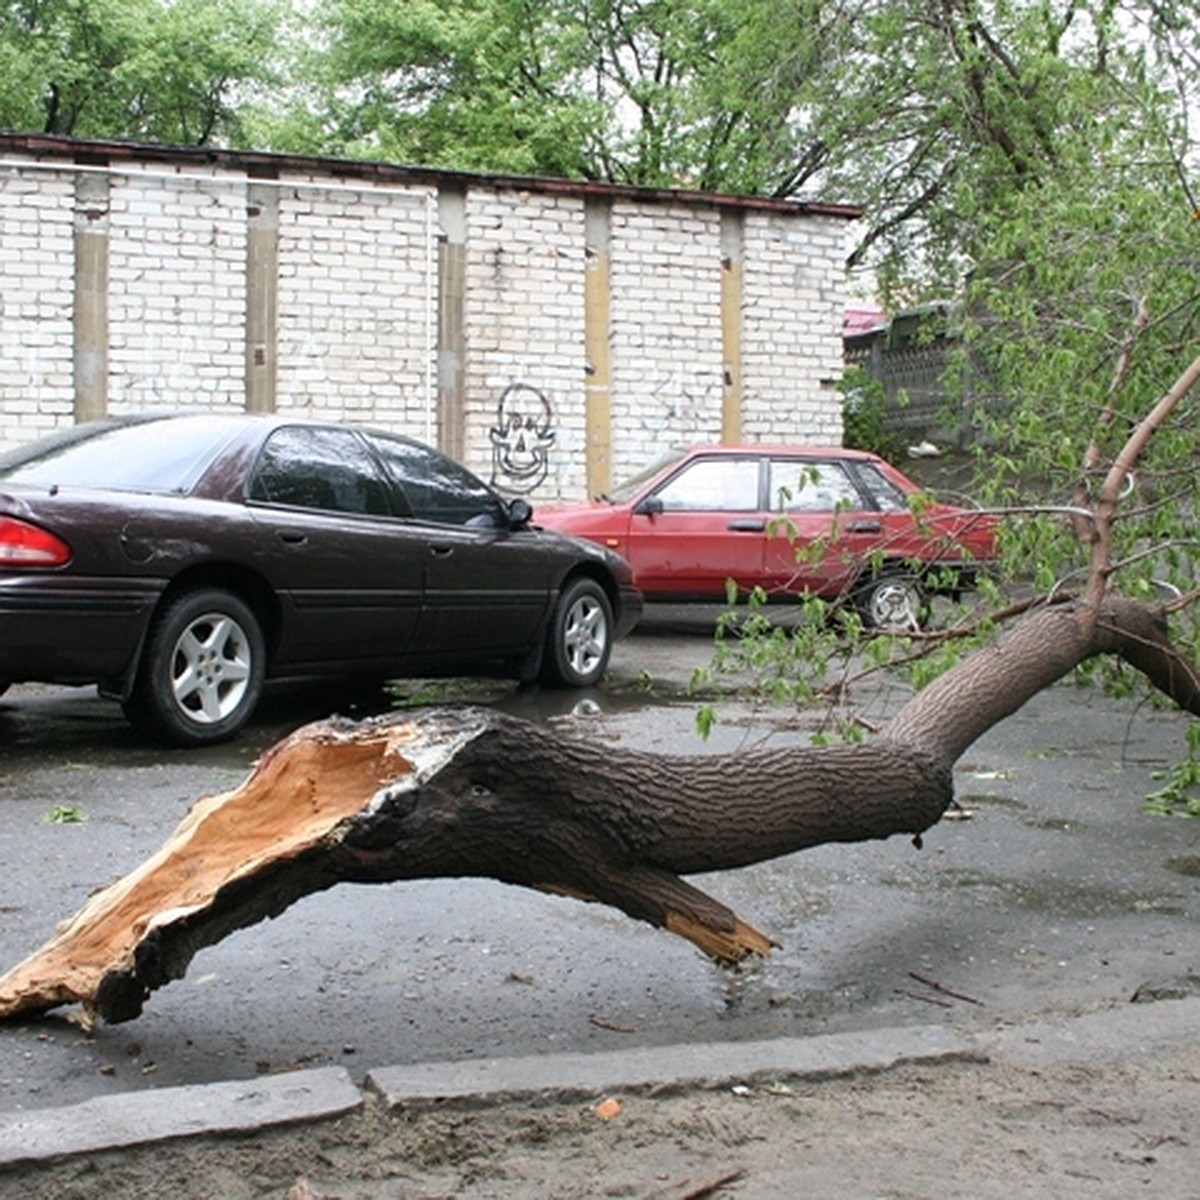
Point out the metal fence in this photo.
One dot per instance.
(919, 406)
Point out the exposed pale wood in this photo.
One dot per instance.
(297, 795)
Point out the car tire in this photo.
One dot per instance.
(891, 603)
(201, 672)
(580, 636)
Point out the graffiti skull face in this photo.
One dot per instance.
(521, 439)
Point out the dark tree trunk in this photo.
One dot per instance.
(469, 792)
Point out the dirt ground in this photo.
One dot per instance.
(953, 1129)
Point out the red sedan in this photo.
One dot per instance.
(789, 520)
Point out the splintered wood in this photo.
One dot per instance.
(295, 798)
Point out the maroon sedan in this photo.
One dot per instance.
(179, 561)
(788, 520)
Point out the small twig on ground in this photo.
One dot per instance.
(925, 999)
(937, 987)
(709, 1186)
(601, 1023)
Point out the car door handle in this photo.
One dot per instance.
(864, 527)
(747, 525)
(291, 537)
(441, 551)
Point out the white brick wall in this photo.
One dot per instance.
(791, 300)
(525, 331)
(357, 306)
(667, 358)
(177, 252)
(354, 309)
(36, 299)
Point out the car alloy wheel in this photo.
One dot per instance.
(892, 603)
(210, 668)
(202, 671)
(580, 635)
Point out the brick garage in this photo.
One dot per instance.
(552, 334)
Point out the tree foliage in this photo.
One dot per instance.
(929, 113)
(1036, 163)
(921, 110)
(175, 71)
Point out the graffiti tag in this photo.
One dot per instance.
(521, 439)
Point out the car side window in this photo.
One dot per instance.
(437, 488)
(326, 469)
(801, 486)
(713, 485)
(885, 495)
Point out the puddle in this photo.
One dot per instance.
(986, 800)
(1189, 866)
(548, 705)
(531, 703)
(1059, 898)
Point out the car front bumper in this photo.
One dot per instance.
(630, 606)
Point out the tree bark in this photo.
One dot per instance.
(471, 792)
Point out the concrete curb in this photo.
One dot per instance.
(140, 1118)
(1130, 1032)
(137, 1118)
(662, 1068)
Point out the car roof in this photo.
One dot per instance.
(229, 418)
(800, 449)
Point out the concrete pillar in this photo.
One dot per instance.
(91, 295)
(732, 257)
(262, 296)
(597, 301)
(451, 320)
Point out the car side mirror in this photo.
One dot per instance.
(651, 506)
(520, 513)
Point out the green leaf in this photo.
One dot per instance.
(65, 814)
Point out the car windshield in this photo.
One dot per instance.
(628, 488)
(140, 457)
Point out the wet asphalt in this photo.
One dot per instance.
(1057, 895)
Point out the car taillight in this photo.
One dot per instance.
(25, 545)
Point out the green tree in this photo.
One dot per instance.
(1031, 157)
(1034, 160)
(477, 84)
(649, 92)
(180, 72)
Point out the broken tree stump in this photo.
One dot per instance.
(455, 792)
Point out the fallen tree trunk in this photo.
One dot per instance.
(470, 792)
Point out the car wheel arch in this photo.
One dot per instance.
(201, 669)
(251, 589)
(598, 574)
(248, 586)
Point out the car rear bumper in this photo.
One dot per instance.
(72, 630)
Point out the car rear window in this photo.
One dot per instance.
(149, 456)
